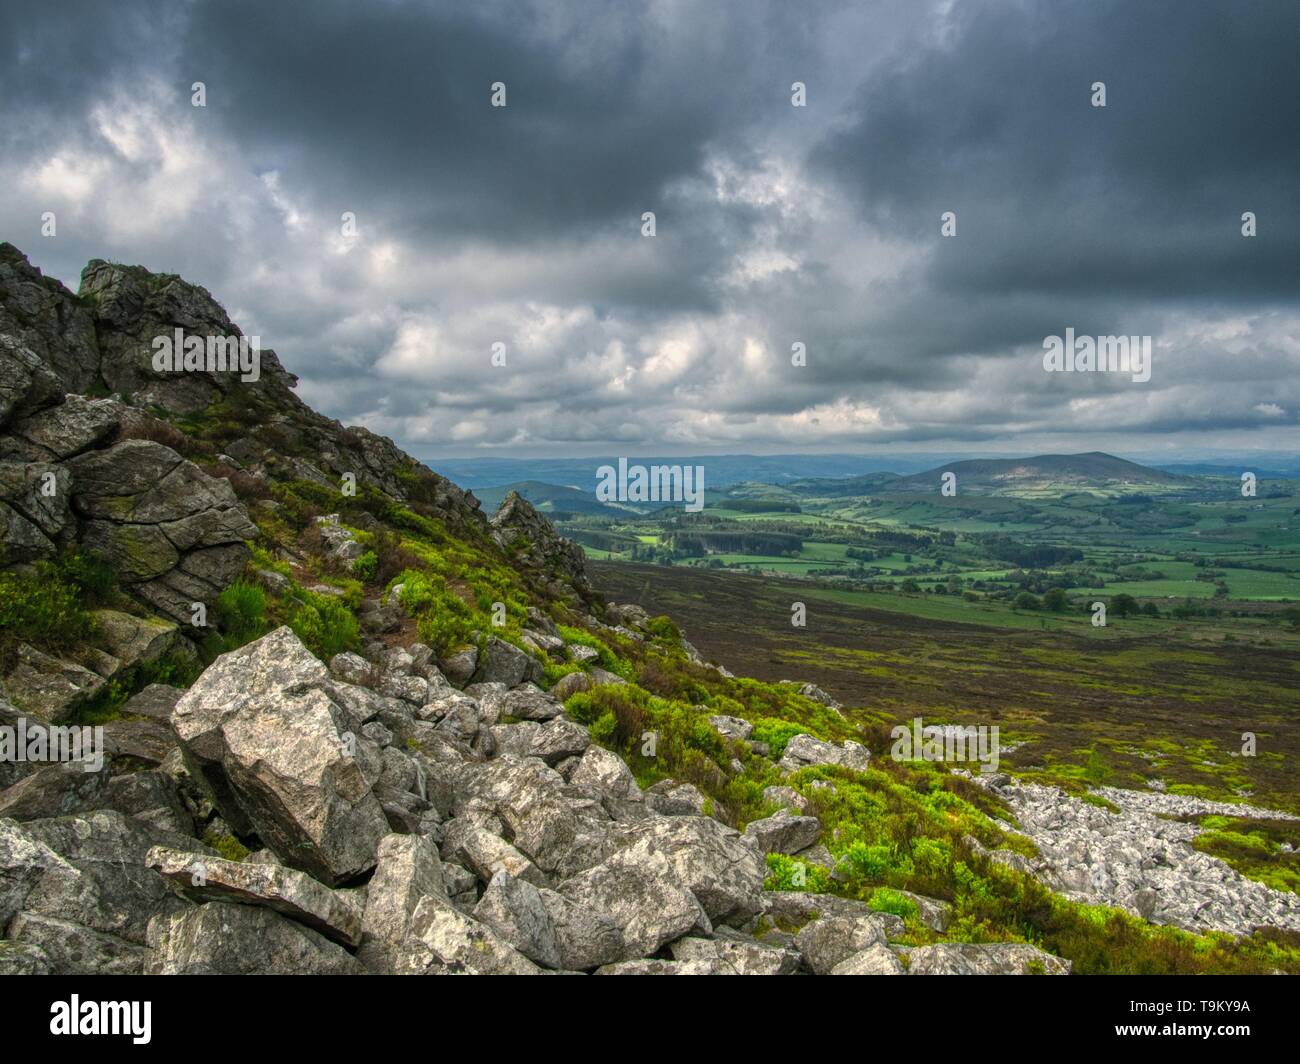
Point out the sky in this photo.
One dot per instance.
(775, 224)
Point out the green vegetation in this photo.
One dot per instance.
(227, 845)
(326, 625)
(1174, 552)
(951, 608)
(48, 605)
(899, 826)
(241, 610)
(1265, 850)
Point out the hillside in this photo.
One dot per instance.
(1041, 474)
(352, 724)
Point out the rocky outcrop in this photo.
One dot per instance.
(71, 472)
(77, 466)
(78, 889)
(1141, 860)
(48, 687)
(174, 535)
(41, 316)
(391, 837)
(804, 750)
(784, 832)
(533, 544)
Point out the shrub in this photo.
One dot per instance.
(444, 621)
(43, 607)
(92, 575)
(608, 659)
(245, 485)
(1123, 605)
(159, 431)
(391, 558)
(603, 728)
(884, 900)
(869, 862)
(325, 625)
(241, 610)
(789, 873)
(776, 733)
(366, 567)
(662, 627)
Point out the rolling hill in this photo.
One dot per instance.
(1046, 474)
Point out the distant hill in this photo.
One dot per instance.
(720, 470)
(1042, 473)
(553, 499)
(843, 487)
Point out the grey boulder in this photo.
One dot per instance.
(263, 727)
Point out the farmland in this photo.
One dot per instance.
(983, 609)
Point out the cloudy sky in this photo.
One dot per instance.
(775, 224)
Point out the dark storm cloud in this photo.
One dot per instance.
(1140, 199)
(775, 224)
(593, 134)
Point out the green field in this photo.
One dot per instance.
(980, 610)
(1196, 550)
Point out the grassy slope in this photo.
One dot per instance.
(1111, 710)
(898, 825)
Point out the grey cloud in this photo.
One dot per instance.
(776, 224)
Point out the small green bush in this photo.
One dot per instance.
(325, 625)
(366, 566)
(884, 900)
(241, 612)
(790, 873)
(443, 620)
(776, 733)
(44, 608)
(663, 628)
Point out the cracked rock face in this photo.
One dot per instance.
(150, 512)
(283, 889)
(226, 939)
(46, 319)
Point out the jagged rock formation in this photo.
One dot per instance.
(533, 542)
(54, 344)
(89, 459)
